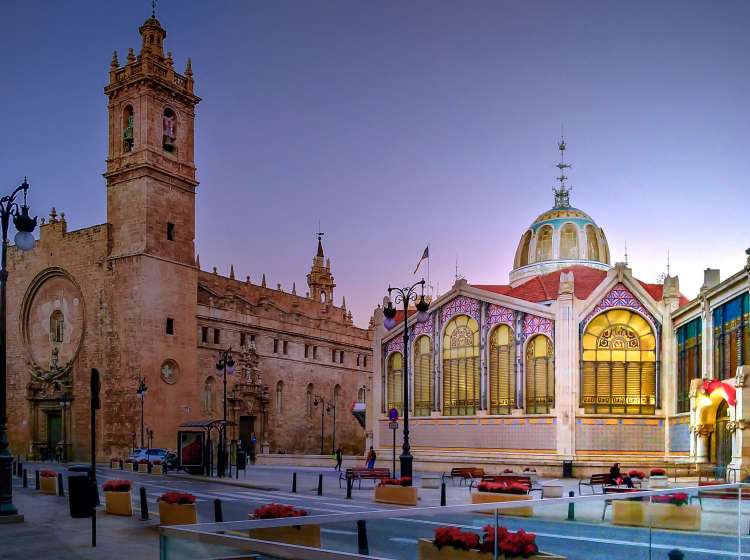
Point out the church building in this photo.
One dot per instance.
(574, 359)
(128, 297)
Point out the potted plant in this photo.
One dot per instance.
(636, 475)
(48, 481)
(157, 467)
(451, 543)
(114, 463)
(396, 491)
(117, 497)
(177, 508)
(670, 511)
(143, 466)
(129, 465)
(302, 535)
(491, 492)
(658, 479)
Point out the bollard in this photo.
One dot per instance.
(442, 493)
(144, 505)
(121, 465)
(218, 515)
(20, 469)
(294, 483)
(25, 479)
(675, 554)
(320, 485)
(348, 488)
(60, 487)
(36, 482)
(571, 508)
(362, 545)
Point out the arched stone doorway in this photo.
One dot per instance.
(713, 423)
(722, 437)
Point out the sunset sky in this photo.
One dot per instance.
(396, 124)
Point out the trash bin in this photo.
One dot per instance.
(567, 469)
(241, 461)
(81, 496)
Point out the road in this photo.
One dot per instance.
(397, 537)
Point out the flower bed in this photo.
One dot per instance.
(454, 544)
(397, 491)
(117, 497)
(143, 466)
(640, 475)
(157, 467)
(302, 535)
(658, 479)
(48, 481)
(177, 508)
(493, 492)
(403, 481)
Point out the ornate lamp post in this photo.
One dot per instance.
(406, 295)
(25, 241)
(65, 401)
(141, 392)
(226, 366)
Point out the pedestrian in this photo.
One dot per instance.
(371, 456)
(253, 442)
(339, 458)
(618, 478)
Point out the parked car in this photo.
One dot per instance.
(153, 454)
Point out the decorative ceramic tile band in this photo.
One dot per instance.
(537, 325)
(620, 296)
(461, 305)
(497, 314)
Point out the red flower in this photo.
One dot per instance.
(678, 499)
(46, 473)
(182, 498)
(117, 486)
(509, 544)
(275, 511)
(658, 472)
(455, 537)
(143, 462)
(503, 487)
(403, 481)
(156, 462)
(637, 474)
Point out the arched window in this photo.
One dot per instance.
(279, 397)
(605, 247)
(169, 123)
(128, 121)
(422, 376)
(362, 395)
(522, 259)
(461, 367)
(309, 400)
(502, 372)
(209, 394)
(336, 394)
(569, 242)
(689, 360)
(619, 364)
(57, 327)
(544, 244)
(592, 244)
(395, 382)
(540, 375)
(731, 341)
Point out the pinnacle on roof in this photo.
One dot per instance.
(562, 194)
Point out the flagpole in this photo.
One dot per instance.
(428, 269)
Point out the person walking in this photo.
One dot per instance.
(339, 458)
(371, 456)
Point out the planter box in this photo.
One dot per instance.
(48, 484)
(428, 551)
(127, 466)
(431, 481)
(302, 535)
(142, 468)
(658, 481)
(176, 514)
(114, 465)
(157, 469)
(118, 503)
(401, 495)
(552, 490)
(659, 516)
(494, 497)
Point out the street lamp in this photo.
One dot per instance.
(226, 366)
(65, 401)
(25, 241)
(323, 409)
(405, 296)
(333, 442)
(141, 392)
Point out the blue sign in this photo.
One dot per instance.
(393, 415)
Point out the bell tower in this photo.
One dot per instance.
(320, 279)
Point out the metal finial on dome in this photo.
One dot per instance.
(153, 9)
(562, 194)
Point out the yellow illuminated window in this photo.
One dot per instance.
(540, 375)
(544, 244)
(461, 367)
(618, 364)
(502, 370)
(592, 245)
(523, 257)
(422, 376)
(395, 382)
(569, 242)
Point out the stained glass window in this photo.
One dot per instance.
(731, 336)
(540, 375)
(569, 242)
(689, 337)
(422, 376)
(461, 367)
(592, 244)
(502, 370)
(618, 366)
(395, 382)
(544, 244)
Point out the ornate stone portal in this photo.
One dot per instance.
(249, 397)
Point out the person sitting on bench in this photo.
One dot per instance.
(619, 478)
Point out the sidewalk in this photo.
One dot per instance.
(50, 532)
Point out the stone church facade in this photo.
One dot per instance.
(128, 298)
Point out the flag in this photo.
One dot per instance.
(425, 255)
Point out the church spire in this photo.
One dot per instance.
(562, 194)
(320, 279)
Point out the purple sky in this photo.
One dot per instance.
(355, 113)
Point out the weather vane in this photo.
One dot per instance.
(153, 9)
(562, 194)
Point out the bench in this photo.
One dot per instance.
(364, 474)
(616, 490)
(601, 480)
(463, 474)
(723, 494)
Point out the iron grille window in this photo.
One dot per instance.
(731, 336)
(502, 375)
(461, 367)
(423, 376)
(540, 375)
(689, 359)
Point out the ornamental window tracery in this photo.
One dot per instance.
(395, 382)
(502, 376)
(540, 375)
(461, 366)
(423, 376)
